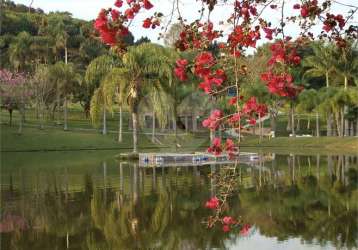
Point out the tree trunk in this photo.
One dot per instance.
(212, 135)
(293, 120)
(327, 79)
(42, 116)
(135, 132)
(175, 130)
(329, 125)
(342, 122)
(186, 124)
(289, 120)
(104, 129)
(298, 126)
(153, 126)
(20, 121)
(120, 124)
(195, 122)
(10, 117)
(66, 55)
(346, 121)
(58, 109)
(309, 122)
(260, 128)
(338, 124)
(65, 127)
(273, 122)
(317, 124)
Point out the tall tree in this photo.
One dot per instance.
(308, 101)
(322, 64)
(144, 67)
(45, 90)
(95, 74)
(65, 77)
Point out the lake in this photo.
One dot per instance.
(89, 200)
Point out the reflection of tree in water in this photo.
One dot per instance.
(310, 207)
(138, 216)
(159, 220)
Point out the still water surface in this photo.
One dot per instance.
(89, 200)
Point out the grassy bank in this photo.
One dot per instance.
(55, 139)
(305, 145)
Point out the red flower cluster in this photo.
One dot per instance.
(245, 10)
(243, 37)
(232, 101)
(203, 63)
(213, 121)
(217, 148)
(213, 203)
(280, 84)
(203, 69)
(230, 147)
(268, 32)
(252, 107)
(227, 221)
(196, 35)
(151, 22)
(111, 23)
(234, 118)
(309, 8)
(284, 53)
(180, 70)
(245, 230)
(332, 21)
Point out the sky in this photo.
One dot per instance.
(88, 10)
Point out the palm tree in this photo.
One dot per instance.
(44, 89)
(112, 90)
(19, 52)
(145, 67)
(333, 101)
(96, 72)
(65, 77)
(347, 67)
(321, 63)
(20, 57)
(57, 30)
(308, 101)
(98, 104)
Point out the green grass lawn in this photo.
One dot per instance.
(305, 144)
(82, 135)
(51, 139)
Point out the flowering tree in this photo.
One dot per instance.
(245, 26)
(14, 93)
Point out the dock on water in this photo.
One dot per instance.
(194, 159)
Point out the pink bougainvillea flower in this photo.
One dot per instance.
(213, 203)
(233, 101)
(226, 228)
(147, 23)
(228, 220)
(245, 230)
(147, 5)
(118, 3)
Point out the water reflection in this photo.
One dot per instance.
(291, 201)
